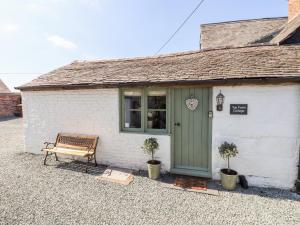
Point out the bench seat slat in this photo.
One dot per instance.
(68, 151)
(68, 146)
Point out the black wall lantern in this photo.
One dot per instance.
(220, 101)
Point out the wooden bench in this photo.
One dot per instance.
(73, 144)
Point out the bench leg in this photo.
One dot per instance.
(56, 157)
(88, 164)
(95, 161)
(45, 158)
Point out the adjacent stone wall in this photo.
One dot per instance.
(8, 103)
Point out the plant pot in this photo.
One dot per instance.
(229, 179)
(153, 169)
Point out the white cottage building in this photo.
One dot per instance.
(255, 64)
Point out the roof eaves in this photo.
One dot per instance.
(219, 81)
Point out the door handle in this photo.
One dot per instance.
(177, 124)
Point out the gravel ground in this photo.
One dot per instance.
(31, 193)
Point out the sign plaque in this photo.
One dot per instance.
(238, 109)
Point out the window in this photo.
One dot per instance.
(132, 109)
(144, 110)
(156, 110)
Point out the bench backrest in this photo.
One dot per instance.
(76, 141)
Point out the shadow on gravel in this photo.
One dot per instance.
(78, 166)
(272, 193)
(165, 178)
(8, 118)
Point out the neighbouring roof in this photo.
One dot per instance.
(241, 33)
(225, 64)
(290, 29)
(3, 88)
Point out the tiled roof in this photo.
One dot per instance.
(240, 33)
(226, 64)
(3, 88)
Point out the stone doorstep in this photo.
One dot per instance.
(117, 175)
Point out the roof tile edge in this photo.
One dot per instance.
(244, 21)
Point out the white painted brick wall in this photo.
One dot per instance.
(88, 112)
(267, 138)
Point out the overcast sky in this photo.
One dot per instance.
(37, 36)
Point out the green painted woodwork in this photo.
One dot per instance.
(122, 111)
(144, 110)
(191, 140)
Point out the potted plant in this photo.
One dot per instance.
(150, 147)
(228, 176)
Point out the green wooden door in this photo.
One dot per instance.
(191, 130)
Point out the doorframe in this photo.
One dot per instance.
(172, 134)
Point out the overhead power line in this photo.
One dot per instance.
(181, 25)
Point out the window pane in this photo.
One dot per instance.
(132, 119)
(132, 106)
(132, 102)
(156, 120)
(156, 102)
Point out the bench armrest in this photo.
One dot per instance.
(49, 144)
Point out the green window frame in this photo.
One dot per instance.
(128, 110)
(155, 115)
